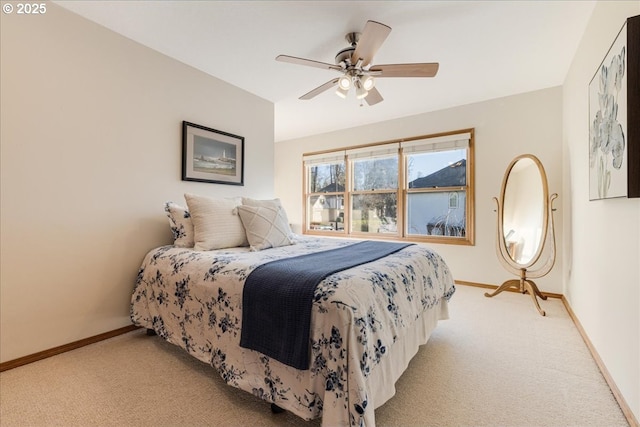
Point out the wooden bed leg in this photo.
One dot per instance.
(276, 409)
(151, 332)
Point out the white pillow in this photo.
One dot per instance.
(181, 225)
(266, 226)
(265, 203)
(216, 223)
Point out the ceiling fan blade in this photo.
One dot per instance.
(308, 62)
(373, 97)
(429, 69)
(373, 35)
(317, 91)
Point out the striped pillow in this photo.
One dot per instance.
(216, 223)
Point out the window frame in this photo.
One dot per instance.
(307, 194)
(402, 192)
(352, 192)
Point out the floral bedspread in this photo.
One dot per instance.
(193, 299)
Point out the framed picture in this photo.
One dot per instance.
(614, 118)
(210, 155)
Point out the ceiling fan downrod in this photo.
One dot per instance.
(343, 58)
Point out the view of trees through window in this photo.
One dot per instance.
(362, 195)
(325, 201)
(327, 177)
(374, 201)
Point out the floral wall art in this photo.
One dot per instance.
(614, 160)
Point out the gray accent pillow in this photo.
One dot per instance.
(266, 226)
(271, 202)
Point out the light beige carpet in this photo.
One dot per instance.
(496, 362)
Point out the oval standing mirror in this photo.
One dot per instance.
(523, 210)
(525, 226)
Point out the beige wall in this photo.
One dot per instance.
(602, 244)
(504, 128)
(91, 149)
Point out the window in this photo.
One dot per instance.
(418, 189)
(453, 200)
(437, 186)
(325, 192)
(374, 189)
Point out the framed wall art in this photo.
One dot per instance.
(210, 155)
(614, 118)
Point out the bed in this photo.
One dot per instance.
(366, 323)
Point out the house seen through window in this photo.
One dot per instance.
(418, 189)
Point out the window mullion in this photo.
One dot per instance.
(400, 195)
(348, 184)
(436, 189)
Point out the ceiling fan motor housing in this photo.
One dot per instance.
(346, 53)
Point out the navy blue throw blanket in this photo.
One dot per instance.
(278, 296)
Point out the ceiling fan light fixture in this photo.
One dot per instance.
(342, 93)
(344, 82)
(367, 83)
(361, 92)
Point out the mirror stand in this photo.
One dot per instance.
(525, 240)
(523, 285)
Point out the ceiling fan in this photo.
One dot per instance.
(354, 62)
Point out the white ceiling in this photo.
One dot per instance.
(486, 49)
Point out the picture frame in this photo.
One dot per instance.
(210, 155)
(614, 118)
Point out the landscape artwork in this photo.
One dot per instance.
(212, 156)
(209, 155)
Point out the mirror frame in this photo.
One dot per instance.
(545, 218)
